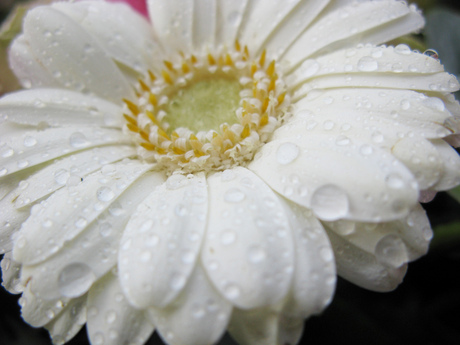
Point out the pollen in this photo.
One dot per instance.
(207, 111)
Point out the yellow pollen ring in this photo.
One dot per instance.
(261, 108)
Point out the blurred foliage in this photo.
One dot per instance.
(422, 311)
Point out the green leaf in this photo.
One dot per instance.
(446, 235)
(455, 193)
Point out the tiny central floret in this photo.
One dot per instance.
(208, 111)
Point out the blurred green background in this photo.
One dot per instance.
(424, 310)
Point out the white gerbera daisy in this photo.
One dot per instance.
(202, 173)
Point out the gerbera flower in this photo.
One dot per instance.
(214, 169)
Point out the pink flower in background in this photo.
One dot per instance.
(139, 5)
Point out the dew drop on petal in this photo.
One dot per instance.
(394, 181)
(232, 291)
(227, 237)
(105, 194)
(81, 222)
(234, 195)
(256, 254)
(367, 64)
(177, 281)
(287, 153)
(391, 251)
(402, 49)
(61, 176)
(78, 140)
(29, 141)
(75, 279)
(330, 202)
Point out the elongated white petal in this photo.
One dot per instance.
(392, 243)
(27, 67)
(162, 240)
(111, 319)
(173, 23)
(66, 171)
(345, 27)
(265, 326)
(229, 17)
(199, 315)
(248, 252)
(299, 168)
(380, 118)
(11, 271)
(133, 45)
(362, 268)
(71, 271)
(11, 221)
(61, 45)
(34, 147)
(451, 166)
(293, 25)
(59, 108)
(49, 228)
(261, 19)
(67, 324)
(204, 23)
(314, 275)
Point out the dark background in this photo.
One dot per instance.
(424, 310)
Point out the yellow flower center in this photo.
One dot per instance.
(207, 111)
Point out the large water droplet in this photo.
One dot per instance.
(29, 141)
(367, 64)
(75, 279)
(105, 194)
(227, 237)
(394, 181)
(61, 176)
(78, 140)
(234, 195)
(391, 251)
(256, 254)
(402, 49)
(232, 291)
(287, 153)
(177, 281)
(330, 202)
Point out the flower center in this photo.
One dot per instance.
(207, 111)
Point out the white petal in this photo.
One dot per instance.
(173, 23)
(261, 19)
(451, 163)
(362, 268)
(96, 248)
(34, 147)
(133, 45)
(59, 107)
(11, 220)
(392, 243)
(28, 68)
(345, 27)
(38, 312)
(162, 240)
(337, 180)
(248, 252)
(198, 316)
(111, 319)
(422, 159)
(229, 17)
(293, 25)
(69, 322)
(264, 326)
(66, 170)
(72, 56)
(11, 271)
(67, 212)
(314, 273)
(204, 23)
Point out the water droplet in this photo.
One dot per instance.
(405, 104)
(403, 49)
(367, 64)
(98, 339)
(81, 222)
(234, 195)
(326, 254)
(7, 151)
(287, 153)
(105, 229)
(391, 251)
(145, 256)
(227, 175)
(3, 171)
(256, 254)
(61, 176)
(342, 140)
(309, 68)
(75, 279)
(227, 237)
(394, 181)
(108, 170)
(177, 281)
(431, 53)
(78, 140)
(198, 311)
(29, 141)
(180, 210)
(330, 202)
(105, 194)
(50, 314)
(232, 291)
(110, 316)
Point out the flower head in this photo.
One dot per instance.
(216, 168)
